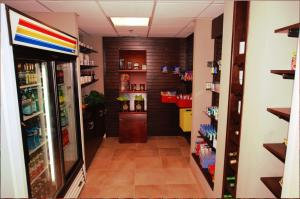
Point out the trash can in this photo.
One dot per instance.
(185, 119)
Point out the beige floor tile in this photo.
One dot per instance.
(104, 153)
(147, 153)
(89, 191)
(116, 191)
(126, 146)
(150, 144)
(122, 165)
(185, 151)
(179, 176)
(175, 162)
(150, 191)
(124, 154)
(169, 152)
(96, 176)
(184, 191)
(156, 169)
(110, 142)
(150, 177)
(165, 143)
(100, 164)
(148, 162)
(119, 178)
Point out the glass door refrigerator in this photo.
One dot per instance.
(44, 60)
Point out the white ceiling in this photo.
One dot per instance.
(168, 18)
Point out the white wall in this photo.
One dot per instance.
(66, 22)
(265, 51)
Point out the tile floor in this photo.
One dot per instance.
(158, 168)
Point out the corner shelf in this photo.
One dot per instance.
(89, 83)
(204, 171)
(272, 183)
(207, 141)
(282, 113)
(286, 74)
(277, 149)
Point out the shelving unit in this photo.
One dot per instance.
(86, 50)
(210, 136)
(204, 171)
(282, 113)
(236, 91)
(279, 149)
(88, 83)
(286, 74)
(89, 66)
(273, 185)
(133, 123)
(207, 141)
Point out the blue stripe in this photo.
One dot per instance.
(28, 40)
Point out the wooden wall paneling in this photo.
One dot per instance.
(162, 118)
(234, 118)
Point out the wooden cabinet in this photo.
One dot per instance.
(132, 127)
(94, 129)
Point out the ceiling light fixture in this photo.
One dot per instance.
(130, 21)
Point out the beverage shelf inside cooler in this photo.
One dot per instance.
(29, 86)
(39, 175)
(38, 147)
(31, 116)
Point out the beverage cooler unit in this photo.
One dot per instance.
(45, 89)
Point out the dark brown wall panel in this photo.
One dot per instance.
(162, 118)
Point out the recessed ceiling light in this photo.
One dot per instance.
(130, 21)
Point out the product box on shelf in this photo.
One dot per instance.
(168, 96)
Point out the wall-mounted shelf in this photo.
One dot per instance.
(134, 112)
(204, 171)
(88, 66)
(273, 185)
(210, 143)
(86, 50)
(282, 113)
(88, 83)
(291, 30)
(133, 91)
(132, 71)
(277, 149)
(286, 74)
(210, 116)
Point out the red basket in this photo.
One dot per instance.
(168, 99)
(184, 103)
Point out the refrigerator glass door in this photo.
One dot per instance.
(39, 129)
(68, 123)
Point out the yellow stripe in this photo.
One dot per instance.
(26, 32)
